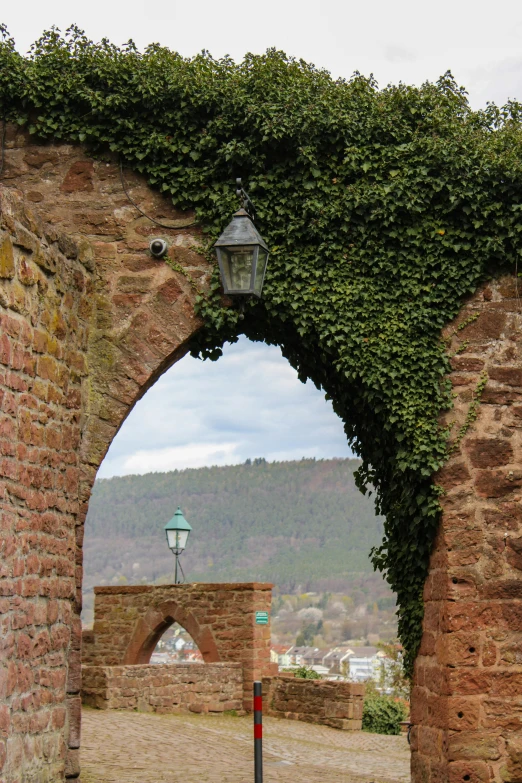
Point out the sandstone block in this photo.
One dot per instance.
(511, 376)
(74, 718)
(72, 764)
(489, 452)
(27, 272)
(489, 326)
(472, 745)
(471, 771)
(497, 483)
(79, 177)
(453, 475)
(7, 265)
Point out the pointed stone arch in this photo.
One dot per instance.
(88, 322)
(153, 625)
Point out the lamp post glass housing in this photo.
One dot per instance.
(177, 531)
(242, 256)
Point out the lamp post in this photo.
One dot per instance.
(177, 531)
(242, 252)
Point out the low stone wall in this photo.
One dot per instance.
(336, 704)
(207, 687)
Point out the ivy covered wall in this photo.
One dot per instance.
(383, 209)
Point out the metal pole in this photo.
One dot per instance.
(258, 733)
(176, 572)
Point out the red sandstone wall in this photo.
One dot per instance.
(45, 306)
(208, 687)
(335, 704)
(88, 320)
(467, 696)
(129, 621)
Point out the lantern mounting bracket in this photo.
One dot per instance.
(246, 202)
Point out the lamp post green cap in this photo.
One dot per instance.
(178, 522)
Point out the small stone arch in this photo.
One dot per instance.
(153, 625)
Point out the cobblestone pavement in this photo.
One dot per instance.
(129, 747)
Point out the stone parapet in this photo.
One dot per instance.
(335, 704)
(207, 688)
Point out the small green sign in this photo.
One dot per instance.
(261, 618)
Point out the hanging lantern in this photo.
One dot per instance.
(242, 253)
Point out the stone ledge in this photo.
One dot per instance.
(135, 589)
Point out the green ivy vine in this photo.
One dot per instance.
(383, 209)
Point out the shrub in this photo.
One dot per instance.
(306, 673)
(383, 715)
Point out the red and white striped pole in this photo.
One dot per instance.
(258, 733)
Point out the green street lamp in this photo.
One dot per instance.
(242, 252)
(177, 531)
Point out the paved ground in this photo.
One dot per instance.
(129, 747)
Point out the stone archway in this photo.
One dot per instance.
(153, 625)
(88, 322)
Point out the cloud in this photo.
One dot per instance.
(495, 81)
(190, 455)
(398, 54)
(249, 403)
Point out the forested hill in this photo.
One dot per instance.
(302, 525)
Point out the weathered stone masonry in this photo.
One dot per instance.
(335, 704)
(467, 699)
(88, 321)
(44, 296)
(196, 687)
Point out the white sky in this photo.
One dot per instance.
(250, 402)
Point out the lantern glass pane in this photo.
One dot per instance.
(237, 267)
(177, 539)
(262, 258)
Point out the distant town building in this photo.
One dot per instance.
(342, 662)
(160, 657)
(279, 654)
(363, 663)
(296, 654)
(314, 657)
(336, 659)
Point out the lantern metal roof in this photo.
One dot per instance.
(240, 232)
(178, 522)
